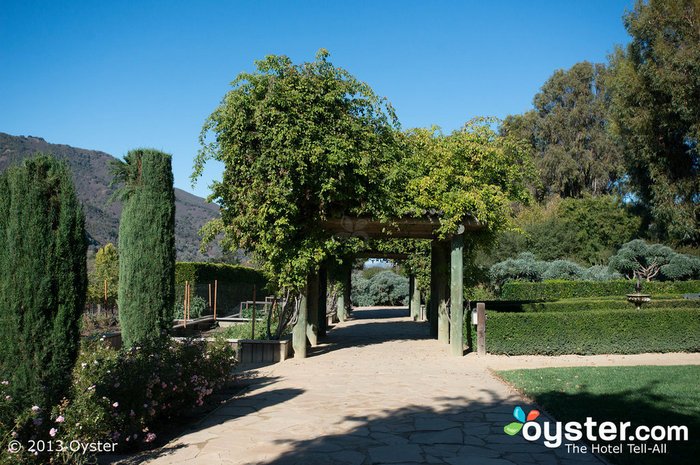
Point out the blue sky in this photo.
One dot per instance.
(113, 76)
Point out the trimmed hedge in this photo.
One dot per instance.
(618, 303)
(594, 332)
(552, 290)
(235, 283)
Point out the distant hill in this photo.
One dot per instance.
(91, 176)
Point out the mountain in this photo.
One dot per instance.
(92, 178)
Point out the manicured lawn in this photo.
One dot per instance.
(642, 395)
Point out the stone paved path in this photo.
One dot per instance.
(377, 390)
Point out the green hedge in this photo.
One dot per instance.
(235, 283)
(552, 290)
(594, 332)
(618, 303)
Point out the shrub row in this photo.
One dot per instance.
(584, 304)
(594, 332)
(619, 303)
(122, 397)
(552, 290)
(235, 283)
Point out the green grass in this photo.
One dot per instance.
(643, 395)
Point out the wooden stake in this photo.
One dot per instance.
(184, 306)
(105, 292)
(253, 320)
(215, 286)
(210, 296)
(481, 328)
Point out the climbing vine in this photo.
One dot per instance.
(305, 143)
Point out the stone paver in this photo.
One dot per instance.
(377, 390)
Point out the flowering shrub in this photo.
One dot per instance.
(117, 397)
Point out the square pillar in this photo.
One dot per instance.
(322, 322)
(433, 302)
(299, 331)
(344, 297)
(413, 297)
(312, 306)
(457, 295)
(439, 284)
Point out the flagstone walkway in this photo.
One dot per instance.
(377, 390)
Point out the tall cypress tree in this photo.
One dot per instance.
(146, 245)
(43, 279)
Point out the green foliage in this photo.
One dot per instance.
(563, 269)
(384, 288)
(300, 143)
(146, 245)
(234, 283)
(567, 130)
(681, 267)
(600, 273)
(592, 332)
(198, 308)
(43, 279)
(587, 230)
(523, 268)
(552, 290)
(617, 303)
(656, 110)
(304, 143)
(106, 269)
(472, 171)
(125, 397)
(639, 259)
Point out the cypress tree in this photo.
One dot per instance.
(146, 245)
(43, 279)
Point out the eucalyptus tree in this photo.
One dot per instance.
(656, 110)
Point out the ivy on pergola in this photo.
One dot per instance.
(307, 145)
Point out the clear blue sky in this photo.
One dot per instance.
(115, 75)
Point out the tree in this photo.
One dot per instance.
(637, 258)
(106, 270)
(305, 143)
(656, 110)
(300, 143)
(146, 245)
(588, 230)
(43, 279)
(568, 132)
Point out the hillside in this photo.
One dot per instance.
(91, 176)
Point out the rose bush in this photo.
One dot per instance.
(116, 397)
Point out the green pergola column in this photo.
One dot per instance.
(457, 295)
(414, 297)
(348, 289)
(433, 302)
(344, 297)
(299, 331)
(443, 294)
(312, 306)
(322, 294)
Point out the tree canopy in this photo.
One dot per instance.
(656, 110)
(567, 129)
(305, 143)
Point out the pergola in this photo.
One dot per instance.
(446, 278)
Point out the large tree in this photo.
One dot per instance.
(146, 245)
(656, 108)
(43, 279)
(300, 143)
(303, 143)
(567, 129)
